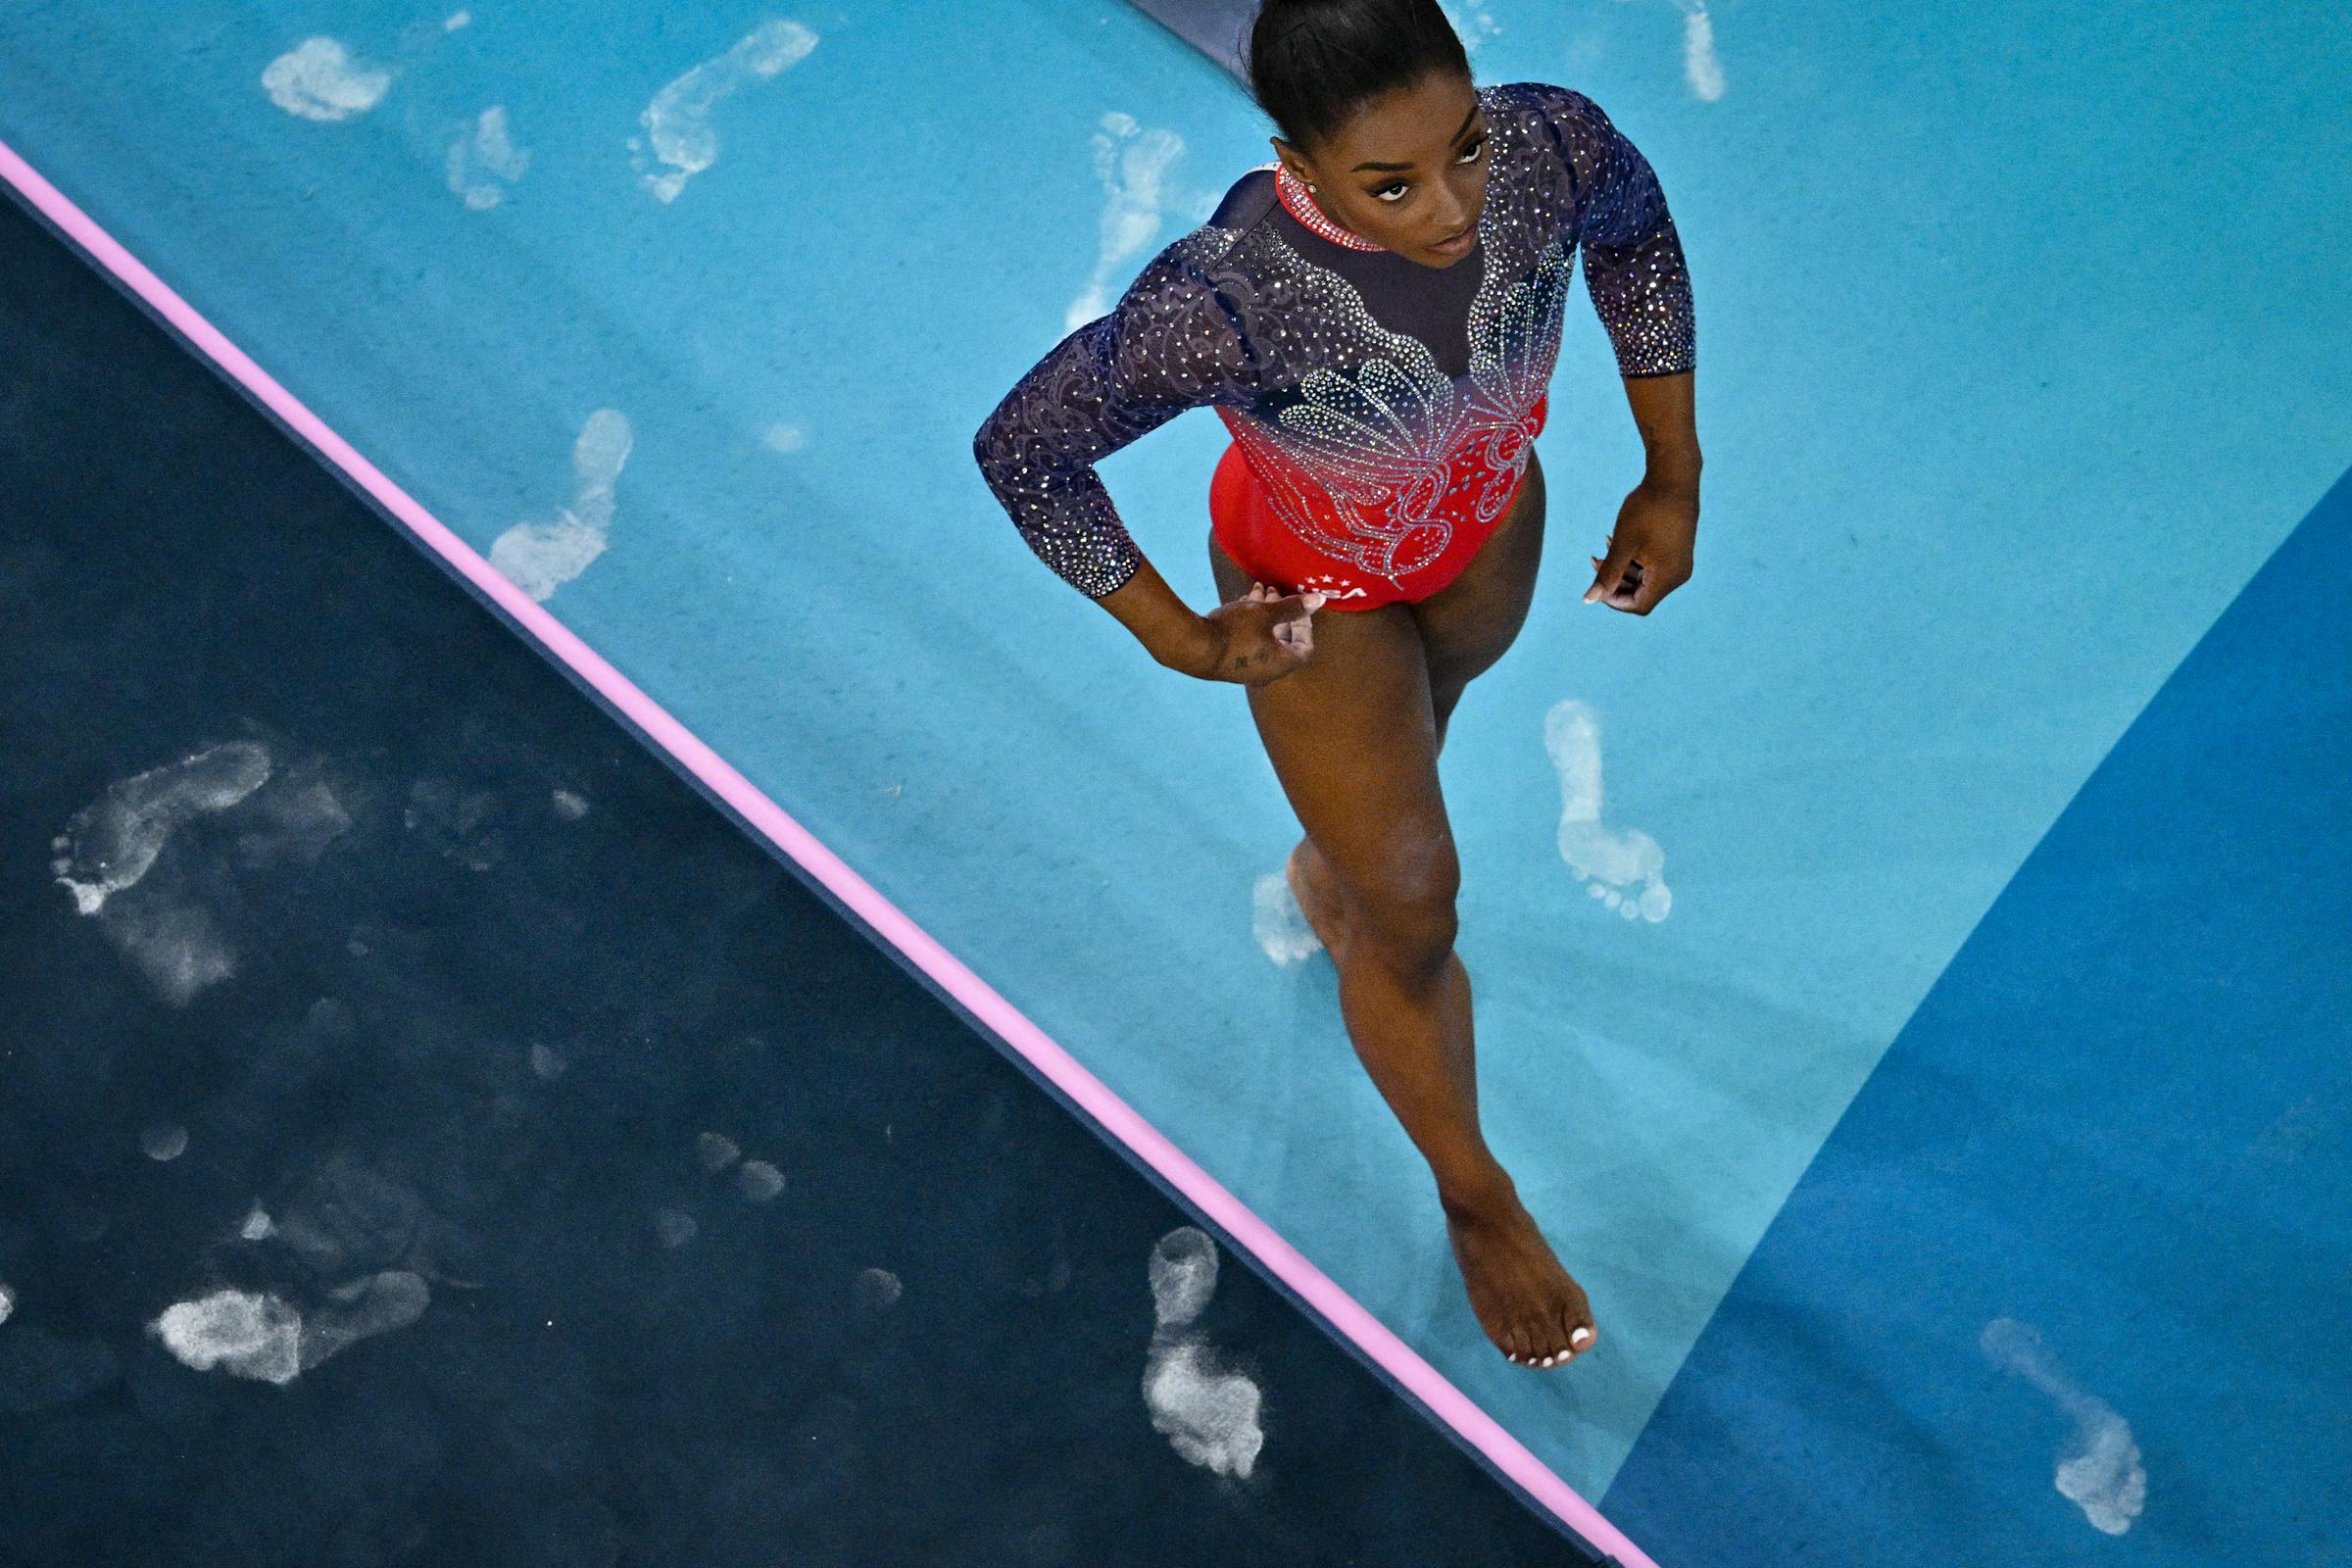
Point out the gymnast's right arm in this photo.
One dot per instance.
(1171, 344)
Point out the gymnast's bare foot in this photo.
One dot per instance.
(1318, 897)
(1525, 1300)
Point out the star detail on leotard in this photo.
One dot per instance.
(1330, 587)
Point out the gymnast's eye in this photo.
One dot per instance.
(1469, 156)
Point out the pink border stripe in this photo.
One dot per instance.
(1449, 1404)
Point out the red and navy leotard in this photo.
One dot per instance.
(1381, 404)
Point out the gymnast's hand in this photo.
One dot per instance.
(1261, 636)
(1650, 553)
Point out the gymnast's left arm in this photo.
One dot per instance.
(1652, 551)
(1641, 289)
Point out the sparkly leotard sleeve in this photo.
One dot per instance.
(1377, 399)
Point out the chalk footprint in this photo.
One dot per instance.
(319, 79)
(110, 844)
(261, 1336)
(181, 926)
(1207, 1413)
(1132, 165)
(176, 942)
(2099, 1470)
(678, 122)
(353, 1254)
(483, 161)
(1609, 863)
(1278, 924)
(539, 558)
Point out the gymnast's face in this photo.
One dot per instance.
(1408, 170)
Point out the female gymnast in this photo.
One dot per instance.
(1375, 317)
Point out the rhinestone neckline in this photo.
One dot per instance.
(1300, 203)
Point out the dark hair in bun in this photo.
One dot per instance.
(1315, 63)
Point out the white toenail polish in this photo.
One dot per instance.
(1580, 1336)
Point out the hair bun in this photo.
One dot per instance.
(1313, 63)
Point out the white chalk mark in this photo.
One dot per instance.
(483, 156)
(570, 807)
(458, 19)
(1278, 924)
(1183, 1276)
(675, 1226)
(877, 1288)
(759, 1181)
(547, 1061)
(716, 1152)
(1208, 1416)
(784, 439)
(539, 558)
(2099, 1469)
(8, 1300)
(112, 841)
(164, 1140)
(1609, 863)
(1132, 163)
(245, 1335)
(677, 122)
(109, 847)
(1209, 1413)
(318, 79)
(1701, 67)
(262, 1337)
(256, 1226)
